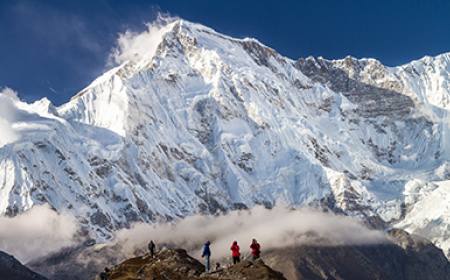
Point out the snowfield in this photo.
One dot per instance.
(206, 123)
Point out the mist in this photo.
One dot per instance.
(275, 228)
(36, 233)
(7, 116)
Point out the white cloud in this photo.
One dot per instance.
(36, 233)
(279, 227)
(139, 46)
(7, 116)
(41, 231)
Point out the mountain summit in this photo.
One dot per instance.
(203, 123)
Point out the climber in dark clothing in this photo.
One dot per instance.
(151, 248)
(104, 274)
(207, 255)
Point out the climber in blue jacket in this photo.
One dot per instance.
(206, 254)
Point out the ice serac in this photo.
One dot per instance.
(210, 123)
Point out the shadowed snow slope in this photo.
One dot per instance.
(208, 123)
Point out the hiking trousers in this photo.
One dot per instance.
(207, 263)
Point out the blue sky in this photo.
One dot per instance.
(55, 48)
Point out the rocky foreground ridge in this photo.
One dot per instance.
(176, 264)
(407, 257)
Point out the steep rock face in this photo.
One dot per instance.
(212, 123)
(12, 269)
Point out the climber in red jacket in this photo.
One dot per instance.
(235, 252)
(256, 249)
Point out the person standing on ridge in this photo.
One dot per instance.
(235, 254)
(256, 249)
(151, 248)
(104, 274)
(207, 255)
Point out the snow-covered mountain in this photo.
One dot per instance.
(207, 123)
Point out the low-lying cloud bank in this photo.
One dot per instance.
(275, 228)
(36, 233)
(41, 231)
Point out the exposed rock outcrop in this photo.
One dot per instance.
(12, 269)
